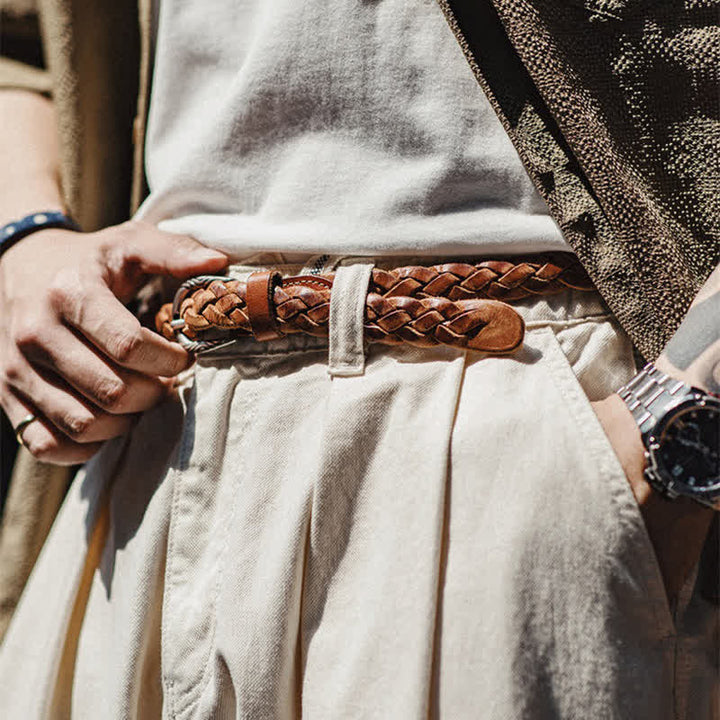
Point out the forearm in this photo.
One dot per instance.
(678, 529)
(693, 353)
(29, 153)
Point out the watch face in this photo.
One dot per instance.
(687, 448)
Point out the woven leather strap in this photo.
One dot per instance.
(453, 304)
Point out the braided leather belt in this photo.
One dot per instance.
(457, 304)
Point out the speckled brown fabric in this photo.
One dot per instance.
(614, 106)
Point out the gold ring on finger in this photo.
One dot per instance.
(20, 427)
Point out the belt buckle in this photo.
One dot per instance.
(197, 347)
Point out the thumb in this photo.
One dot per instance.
(158, 252)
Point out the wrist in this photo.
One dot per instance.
(678, 427)
(703, 374)
(624, 435)
(693, 353)
(14, 231)
(13, 208)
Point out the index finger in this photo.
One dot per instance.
(106, 323)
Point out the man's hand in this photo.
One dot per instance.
(70, 352)
(677, 528)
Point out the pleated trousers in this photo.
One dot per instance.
(401, 533)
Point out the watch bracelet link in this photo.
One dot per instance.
(648, 396)
(649, 392)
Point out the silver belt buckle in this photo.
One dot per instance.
(197, 347)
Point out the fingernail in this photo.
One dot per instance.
(205, 253)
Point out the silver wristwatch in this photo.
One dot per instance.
(680, 428)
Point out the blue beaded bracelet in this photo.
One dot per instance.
(14, 231)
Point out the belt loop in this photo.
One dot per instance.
(347, 318)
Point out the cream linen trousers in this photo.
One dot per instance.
(410, 533)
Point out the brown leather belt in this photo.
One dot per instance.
(458, 304)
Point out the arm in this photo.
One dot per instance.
(29, 147)
(70, 352)
(693, 353)
(677, 529)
